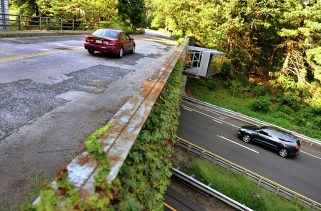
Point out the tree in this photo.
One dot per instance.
(132, 12)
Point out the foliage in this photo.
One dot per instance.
(262, 104)
(78, 9)
(132, 12)
(64, 196)
(236, 186)
(118, 24)
(260, 89)
(146, 171)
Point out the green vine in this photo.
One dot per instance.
(66, 197)
(146, 172)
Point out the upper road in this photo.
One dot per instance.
(218, 134)
(53, 94)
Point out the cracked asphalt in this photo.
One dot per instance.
(53, 94)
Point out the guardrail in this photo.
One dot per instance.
(309, 142)
(260, 180)
(25, 22)
(126, 125)
(206, 189)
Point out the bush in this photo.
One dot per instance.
(260, 90)
(285, 109)
(262, 105)
(118, 24)
(294, 102)
(180, 41)
(212, 84)
(236, 87)
(226, 71)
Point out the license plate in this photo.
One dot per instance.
(99, 41)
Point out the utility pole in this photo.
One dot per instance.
(4, 14)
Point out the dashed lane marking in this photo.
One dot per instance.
(186, 108)
(311, 155)
(238, 144)
(26, 56)
(214, 118)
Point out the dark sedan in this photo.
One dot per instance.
(281, 141)
(111, 41)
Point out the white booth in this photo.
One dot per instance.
(203, 61)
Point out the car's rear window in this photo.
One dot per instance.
(106, 33)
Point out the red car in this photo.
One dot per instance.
(112, 41)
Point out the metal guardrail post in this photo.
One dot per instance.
(73, 24)
(19, 22)
(39, 22)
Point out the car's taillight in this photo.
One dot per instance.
(113, 42)
(297, 147)
(87, 39)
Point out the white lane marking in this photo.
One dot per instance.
(186, 108)
(238, 144)
(311, 155)
(215, 119)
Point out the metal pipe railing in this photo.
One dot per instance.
(25, 22)
(206, 189)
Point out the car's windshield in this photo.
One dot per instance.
(106, 33)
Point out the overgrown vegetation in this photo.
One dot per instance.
(276, 42)
(145, 174)
(120, 14)
(235, 186)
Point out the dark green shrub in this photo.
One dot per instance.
(212, 84)
(294, 102)
(316, 120)
(262, 104)
(236, 87)
(260, 90)
(226, 71)
(285, 109)
(302, 118)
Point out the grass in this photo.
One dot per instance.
(241, 102)
(236, 186)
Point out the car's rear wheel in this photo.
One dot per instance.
(283, 152)
(133, 50)
(246, 138)
(91, 51)
(121, 53)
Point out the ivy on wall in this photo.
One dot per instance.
(146, 172)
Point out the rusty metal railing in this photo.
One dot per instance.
(26, 22)
(127, 123)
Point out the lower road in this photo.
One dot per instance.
(218, 134)
(53, 94)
